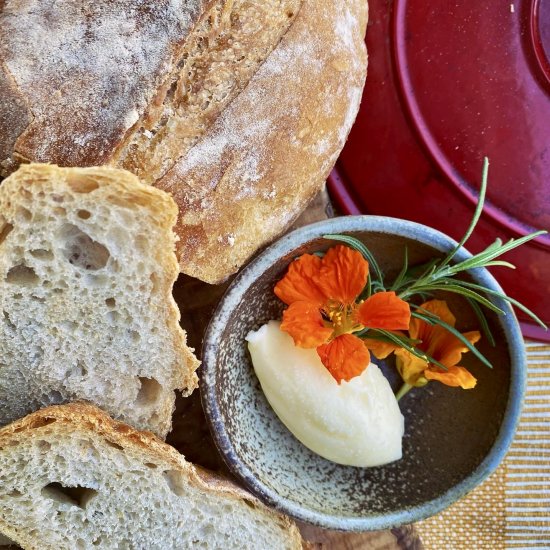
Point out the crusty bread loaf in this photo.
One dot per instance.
(71, 477)
(87, 266)
(239, 108)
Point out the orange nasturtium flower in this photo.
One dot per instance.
(323, 312)
(439, 343)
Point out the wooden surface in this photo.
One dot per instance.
(197, 302)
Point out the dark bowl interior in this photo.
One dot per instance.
(453, 438)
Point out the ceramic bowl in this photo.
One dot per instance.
(453, 439)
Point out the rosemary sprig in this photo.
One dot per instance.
(477, 214)
(401, 277)
(506, 298)
(438, 274)
(482, 321)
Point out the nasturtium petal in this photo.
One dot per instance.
(304, 323)
(423, 331)
(385, 310)
(451, 348)
(298, 285)
(343, 274)
(454, 376)
(410, 367)
(380, 349)
(345, 357)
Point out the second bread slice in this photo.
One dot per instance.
(87, 266)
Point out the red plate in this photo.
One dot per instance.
(448, 85)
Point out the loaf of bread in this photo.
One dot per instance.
(238, 108)
(87, 265)
(71, 477)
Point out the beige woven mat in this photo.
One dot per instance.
(511, 510)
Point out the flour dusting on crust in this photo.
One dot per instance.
(270, 151)
(100, 61)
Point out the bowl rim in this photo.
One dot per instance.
(285, 245)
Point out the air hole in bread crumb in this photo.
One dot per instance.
(38, 423)
(151, 465)
(142, 243)
(8, 320)
(69, 326)
(110, 303)
(81, 250)
(75, 496)
(81, 183)
(149, 391)
(134, 335)
(22, 275)
(5, 231)
(43, 446)
(113, 316)
(55, 197)
(84, 214)
(174, 480)
(23, 214)
(15, 493)
(95, 280)
(156, 283)
(114, 445)
(42, 254)
(79, 370)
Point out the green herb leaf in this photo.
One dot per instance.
(482, 321)
(483, 258)
(400, 278)
(477, 214)
(500, 263)
(451, 285)
(505, 298)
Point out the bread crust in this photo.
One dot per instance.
(83, 416)
(98, 67)
(271, 150)
(255, 167)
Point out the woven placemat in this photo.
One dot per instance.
(511, 510)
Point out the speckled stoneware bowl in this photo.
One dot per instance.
(453, 438)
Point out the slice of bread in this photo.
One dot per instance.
(71, 477)
(87, 266)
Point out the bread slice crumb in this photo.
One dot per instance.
(71, 477)
(87, 266)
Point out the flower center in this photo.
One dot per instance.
(341, 318)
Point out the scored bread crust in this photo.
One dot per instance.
(271, 150)
(274, 117)
(98, 67)
(84, 417)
